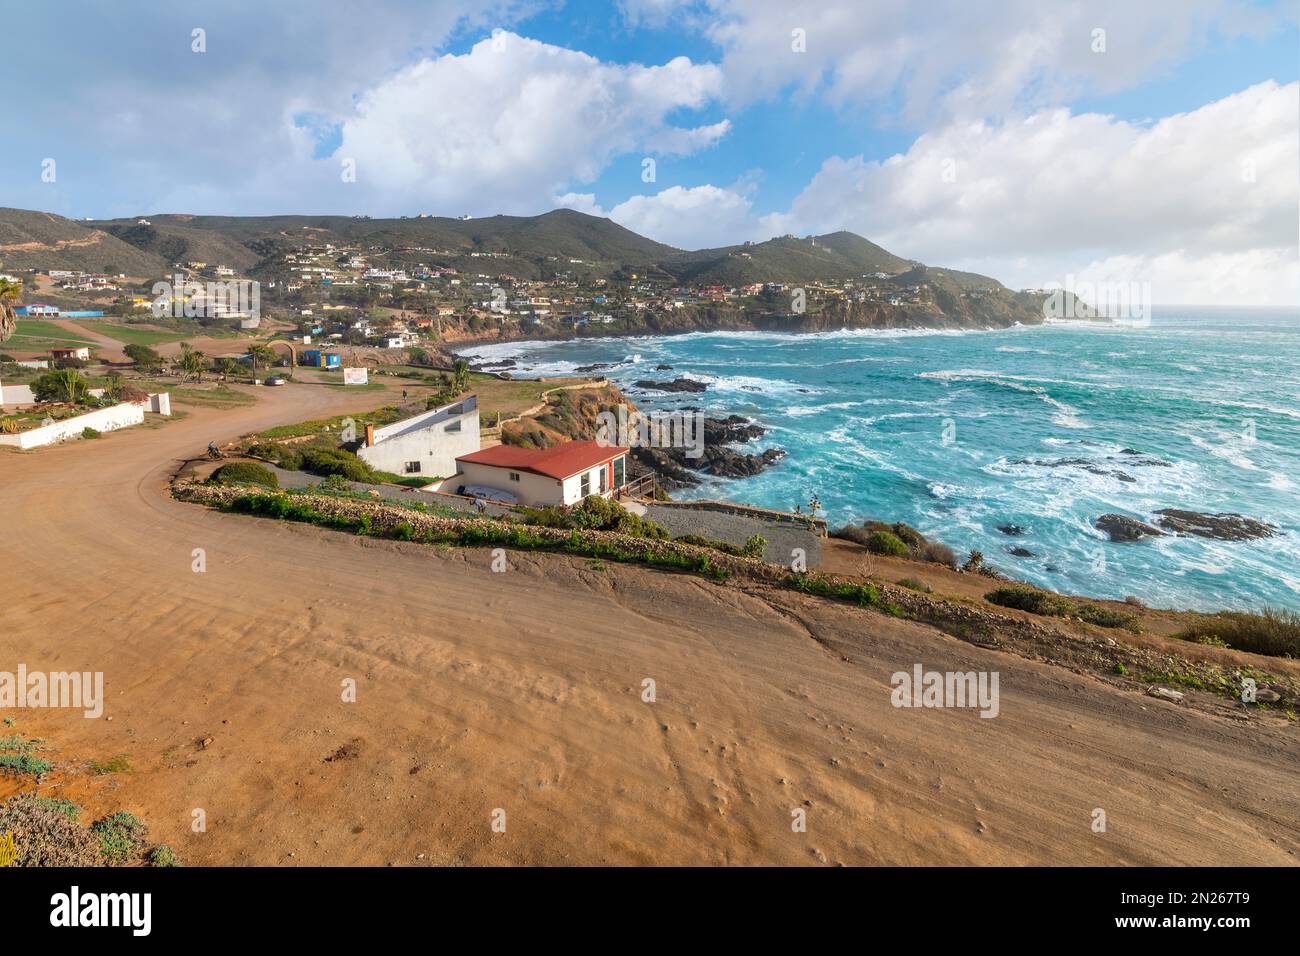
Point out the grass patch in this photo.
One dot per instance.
(121, 837)
(1272, 632)
(118, 764)
(136, 335)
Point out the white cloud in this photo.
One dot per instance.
(955, 57)
(515, 120)
(687, 217)
(1210, 191)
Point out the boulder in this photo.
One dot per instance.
(1224, 526)
(676, 385)
(1124, 528)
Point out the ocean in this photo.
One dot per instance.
(1044, 427)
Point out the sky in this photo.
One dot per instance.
(1038, 141)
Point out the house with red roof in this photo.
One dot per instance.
(563, 474)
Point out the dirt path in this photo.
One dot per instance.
(521, 691)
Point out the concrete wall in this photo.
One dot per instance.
(17, 395)
(532, 490)
(434, 439)
(109, 419)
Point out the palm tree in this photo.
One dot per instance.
(192, 363)
(460, 376)
(263, 352)
(9, 293)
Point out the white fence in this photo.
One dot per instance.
(122, 415)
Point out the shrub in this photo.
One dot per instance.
(913, 584)
(877, 534)
(245, 473)
(755, 546)
(89, 432)
(885, 542)
(45, 835)
(121, 837)
(336, 461)
(1024, 598)
(285, 456)
(163, 855)
(1272, 631)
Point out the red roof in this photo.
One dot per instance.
(559, 461)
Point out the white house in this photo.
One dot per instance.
(560, 475)
(427, 444)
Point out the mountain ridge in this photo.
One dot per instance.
(561, 240)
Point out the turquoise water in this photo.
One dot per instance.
(960, 432)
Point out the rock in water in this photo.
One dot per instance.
(676, 385)
(1225, 526)
(1011, 529)
(1124, 528)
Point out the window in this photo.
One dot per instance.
(603, 475)
(514, 476)
(412, 467)
(584, 484)
(619, 475)
(452, 426)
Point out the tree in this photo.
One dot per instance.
(192, 363)
(9, 293)
(145, 358)
(263, 352)
(62, 386)
(459, 376)
(113, 385)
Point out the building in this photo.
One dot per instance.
(60, 354)
(318, 359)
(427, 444)
(560, 475)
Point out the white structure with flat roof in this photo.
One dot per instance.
(427, 444)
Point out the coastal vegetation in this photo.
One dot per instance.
(245, 473)
(1035, 601)
(897, 540)
(1275, 632)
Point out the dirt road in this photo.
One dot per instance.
(522, 692)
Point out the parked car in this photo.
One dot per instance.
(275, 380)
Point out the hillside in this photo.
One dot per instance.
(834, 257)
(40, 240)
(530, 247)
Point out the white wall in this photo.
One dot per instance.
(17, 395)
(532, 490)
(426, 438)
(109, 419)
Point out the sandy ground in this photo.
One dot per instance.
(522, 691)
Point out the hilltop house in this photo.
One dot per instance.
(426, 444)
(560, 475)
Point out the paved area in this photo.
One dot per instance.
(782, 537)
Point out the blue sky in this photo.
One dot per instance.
(956, 132)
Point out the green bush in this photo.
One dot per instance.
(1025, 598)
(886, 542)
(595, 513)
(1272, 631)
(286, 456)
(912, 584)
(245, 473)
(336, 461)
(755, 546)
(163, 855)
(89, 432)
(121, 837)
